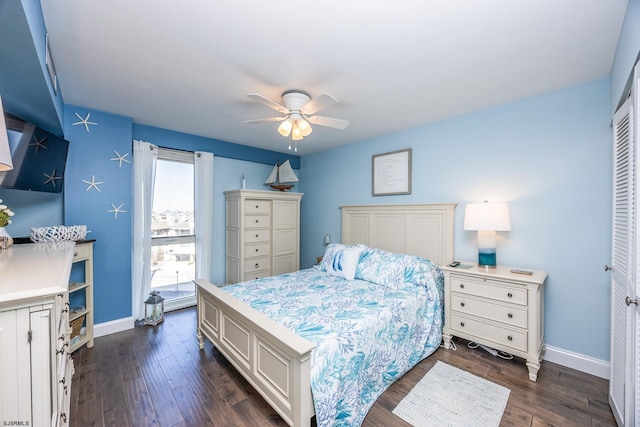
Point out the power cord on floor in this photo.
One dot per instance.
(452, 345)
(491, 351)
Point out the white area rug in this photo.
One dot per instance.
(448, 396)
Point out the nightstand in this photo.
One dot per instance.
(497, 308)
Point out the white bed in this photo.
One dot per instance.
(277, 361)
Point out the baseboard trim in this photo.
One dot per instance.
(580, 362)
(113, 326)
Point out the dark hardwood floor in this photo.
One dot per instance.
(157, 376)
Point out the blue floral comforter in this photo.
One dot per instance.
(367, 334)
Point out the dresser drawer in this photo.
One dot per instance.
(258, 235)
(256, 264)
(81, 252)
(257, 221)
(257, 207)
(510, 314)
(496, 290)
(488, 331)
(256, 249)
(256, 275)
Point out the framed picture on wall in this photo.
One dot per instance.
(391, 173)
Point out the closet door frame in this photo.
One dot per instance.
(625, 253)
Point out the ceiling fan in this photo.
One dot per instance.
(299, 113)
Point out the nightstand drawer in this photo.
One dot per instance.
(81, 252)
(257, 221)
(257, 206)
(510, 314)
(489, 331)
(489, 289)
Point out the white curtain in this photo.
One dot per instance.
(203, 190)
(145, 156)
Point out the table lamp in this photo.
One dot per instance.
(487, 218)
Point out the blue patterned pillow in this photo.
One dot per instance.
(381, 267)
(341, 260)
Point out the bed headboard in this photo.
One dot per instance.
(425, 230)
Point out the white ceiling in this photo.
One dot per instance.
(188, 65)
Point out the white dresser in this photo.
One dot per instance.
(496, 308)
(262, 234)
(35, 363)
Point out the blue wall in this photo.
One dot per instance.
(89, 159)
(626, 53)
(549, 157)
(32, 209)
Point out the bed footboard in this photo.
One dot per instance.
(273, 359)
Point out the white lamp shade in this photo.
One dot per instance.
(5, 154)
(487, 216)
(285, 127)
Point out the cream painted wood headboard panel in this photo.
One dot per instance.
(425, 230)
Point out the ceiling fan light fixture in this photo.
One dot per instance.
(299, 114)
(285, 127)
(296, 132)
(304, 127)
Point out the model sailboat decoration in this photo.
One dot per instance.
(282, 177)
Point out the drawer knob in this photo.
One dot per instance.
(257, 265)
(462, 324)
(510, 316)
(256, 235)
(461, 304)
(257, 206)
(256, 249)
(75, 254)
(510, 295)
(461, 285)
(257, 221)
(510, 338)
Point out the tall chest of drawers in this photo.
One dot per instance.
(36, 368)
(497, 308)
(262, 234)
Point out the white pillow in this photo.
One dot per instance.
(344, 262)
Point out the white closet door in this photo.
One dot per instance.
(633, 364)
(623, 263)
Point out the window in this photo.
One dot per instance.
(173, 239)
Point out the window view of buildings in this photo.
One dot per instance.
(173, 250)
(173, 264)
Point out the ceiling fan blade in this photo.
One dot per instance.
(267, 120)
(329, 121)
(318, 103)
(268, 102)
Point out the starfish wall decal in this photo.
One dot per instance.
(84, 121)
(93, 183)
(117, 210)
(120, 158)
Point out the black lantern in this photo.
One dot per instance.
(154, 309)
